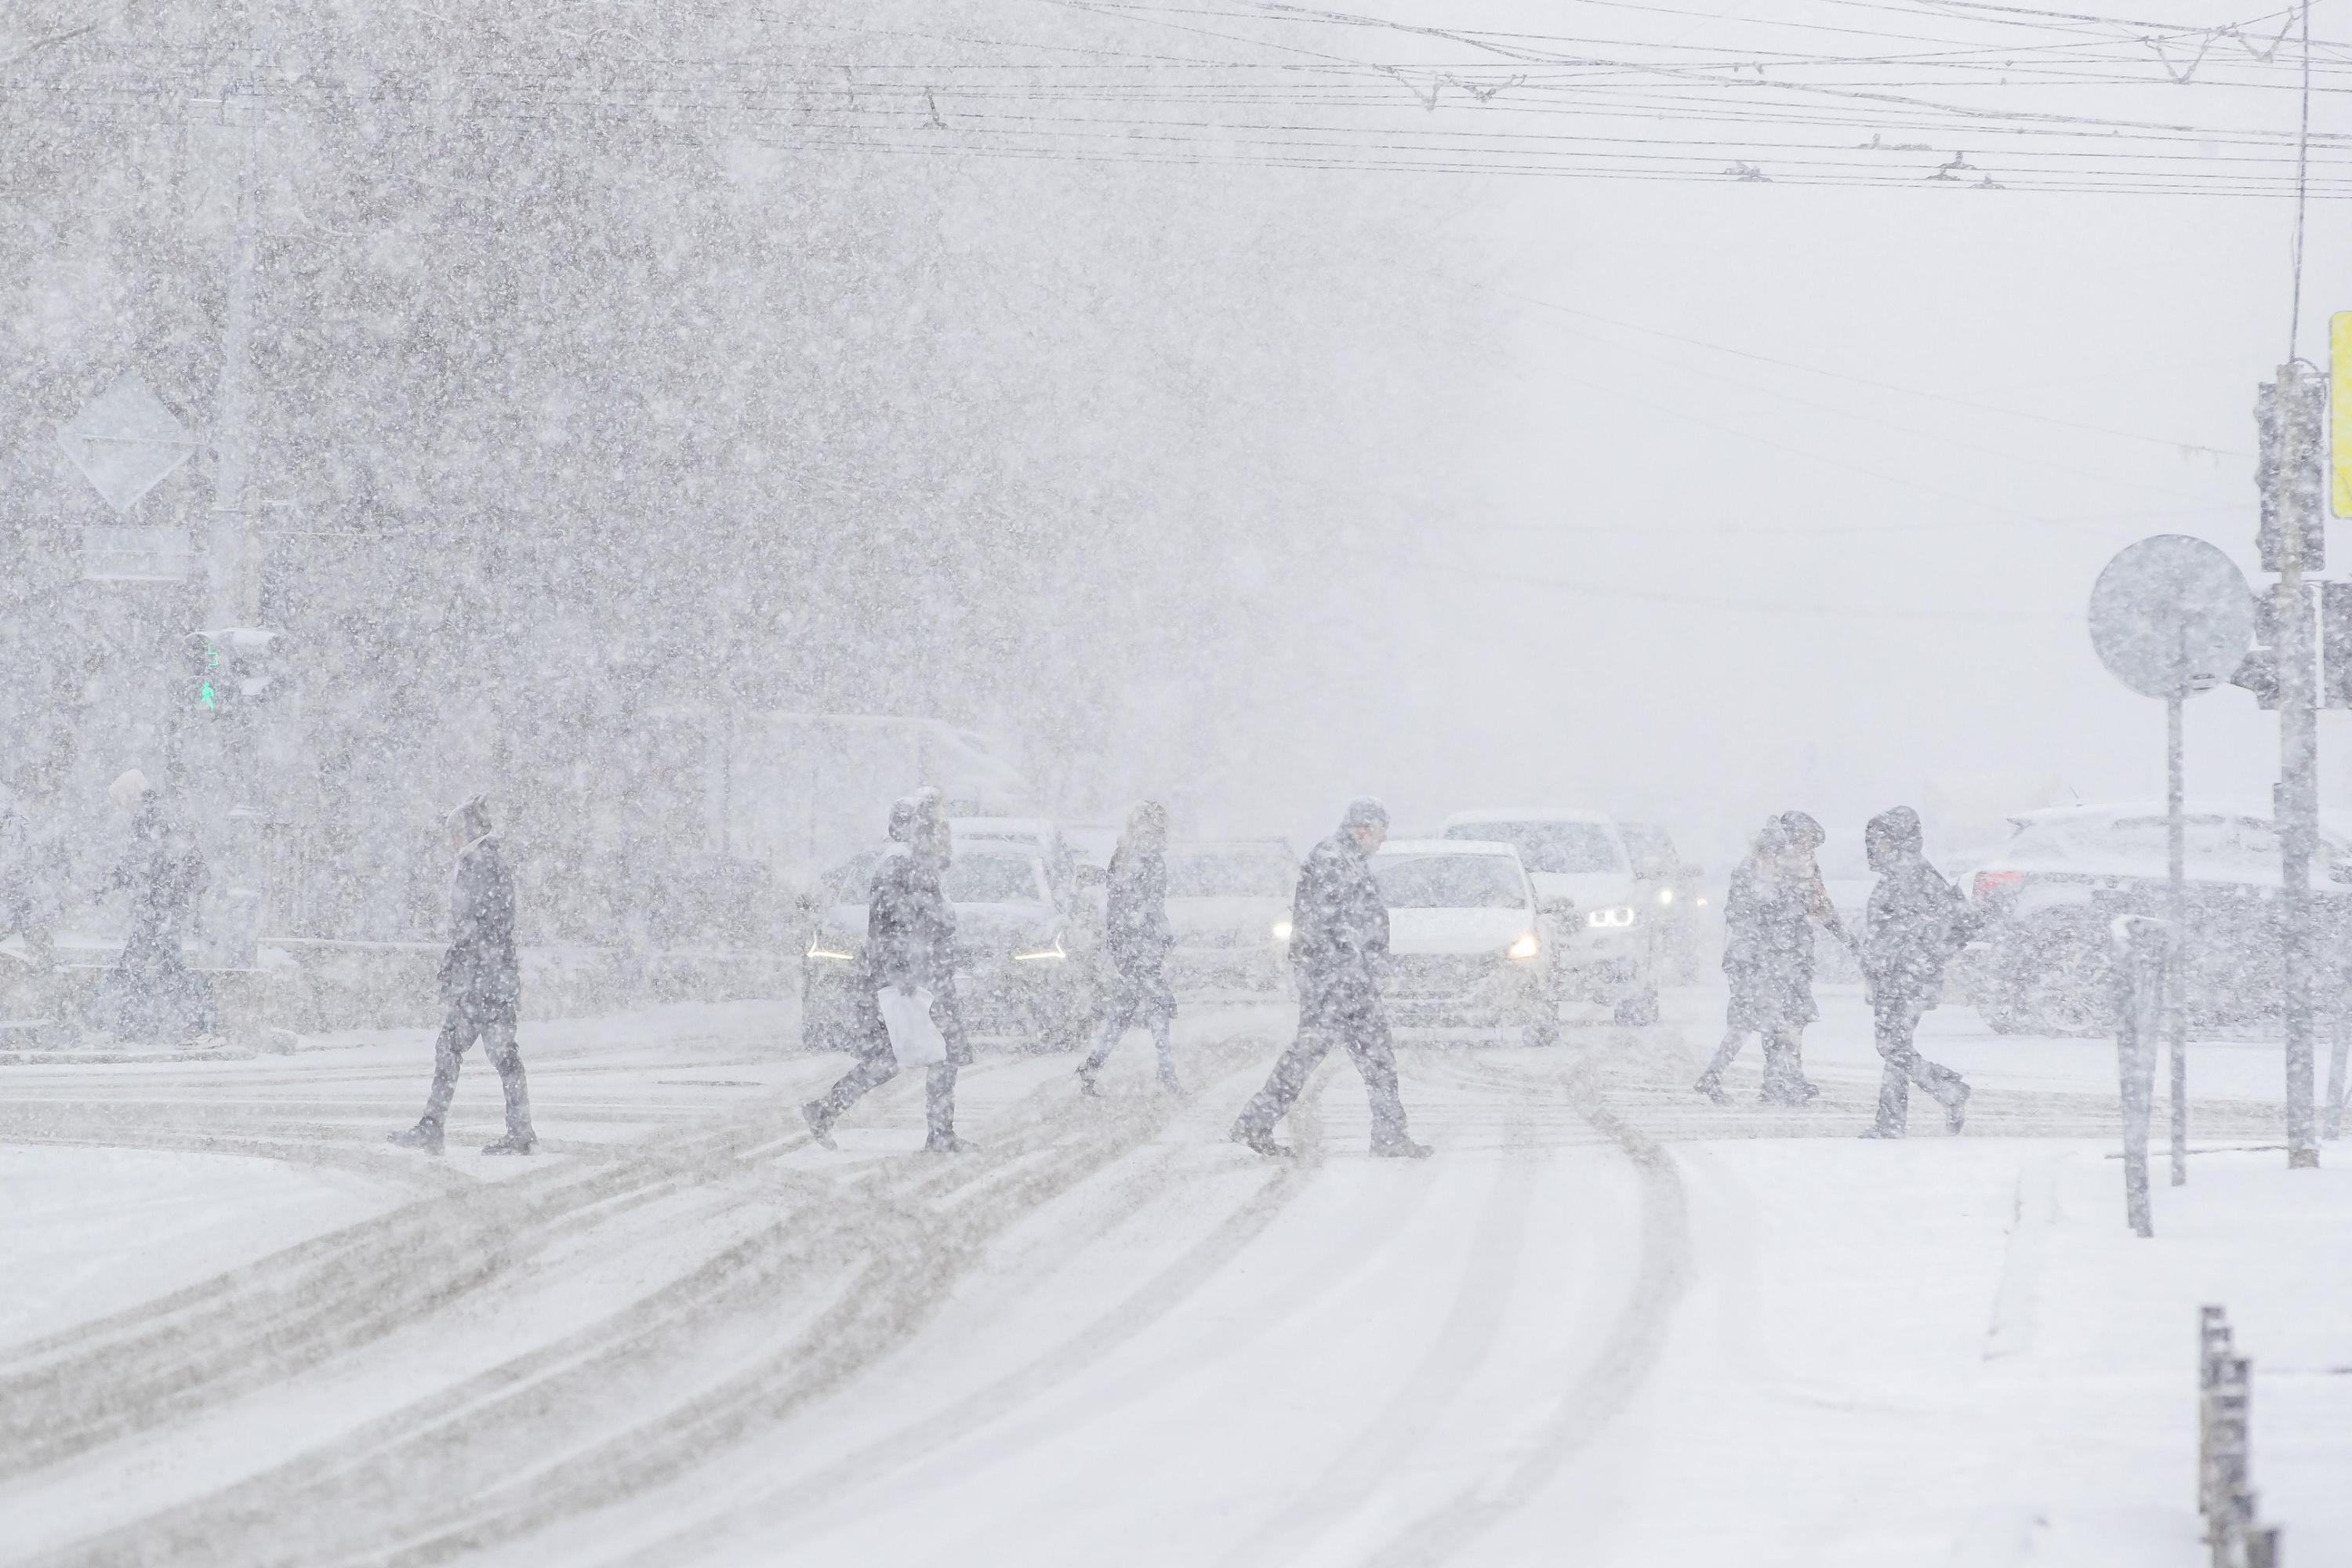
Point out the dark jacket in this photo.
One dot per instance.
(479, 968)
(165, 870)
(1916, 920)
(1136, 932)
(1338, 930)
(909, 928)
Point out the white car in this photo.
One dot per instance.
(1601, 935)
(1228, 905)
(1464, 951)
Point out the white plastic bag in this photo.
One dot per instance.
(915, 1039)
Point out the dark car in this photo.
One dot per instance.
(2044, 961)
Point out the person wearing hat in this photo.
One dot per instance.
(152, 993)
(1136, 939)
(910, 942)
(1916, 922)
(481, 986)
(1768, 957)
(1338, 939)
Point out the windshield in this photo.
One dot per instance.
(1449, 882)
(1653, 851)
(1551, 847)
(986, 879)
(1230, 874)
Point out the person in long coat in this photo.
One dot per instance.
(910, 942)
(1776, 895)
(152, 994)
(480, 983)
(1339, 943)
(1136, 939)
(1916, 921)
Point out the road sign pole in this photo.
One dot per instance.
(2289, 471)
(2176, 948)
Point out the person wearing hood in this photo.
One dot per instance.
(481, 986)
(1339, 942)
(1917, 923)
(152, 993)
(1136, 939)
(1768, 957)
(910, 942)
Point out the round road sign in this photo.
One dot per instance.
(2172, 615)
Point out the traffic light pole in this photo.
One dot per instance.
(2290, 475)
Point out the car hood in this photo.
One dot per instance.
(1226, 914)
(1457, 930)
(1588, 890)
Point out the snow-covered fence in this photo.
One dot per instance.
(2225, 1493)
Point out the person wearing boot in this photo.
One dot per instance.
(1136, 939)
(1339, 942)
(1916, 923)
(1768, 957)
(910, 942)
(481, 986)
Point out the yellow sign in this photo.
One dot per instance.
(2339, 413)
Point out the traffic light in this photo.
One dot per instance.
(2335, 645)
(2290, 419)
(237, 669)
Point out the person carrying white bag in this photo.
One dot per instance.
(910, 973)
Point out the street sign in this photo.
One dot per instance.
(2339, 446)
(2172, 615)
(125, 442)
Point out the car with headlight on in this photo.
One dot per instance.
(1025, 957)
(1229, 907)
(2050, 897)
(1464, 949)
(1668, 894)
(1594, 918)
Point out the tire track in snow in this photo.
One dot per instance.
(1626, 1354)
(389, 1488)
(891, 1456)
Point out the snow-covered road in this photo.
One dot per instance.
(1610, 1323)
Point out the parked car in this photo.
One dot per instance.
(1465, 947)
(1593, 921)
(2050, 898)
(1229, 904)
(1025, 957)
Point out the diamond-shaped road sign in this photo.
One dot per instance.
(125, 442)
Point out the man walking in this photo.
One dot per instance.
(481, 986)
(152, 994)
(1916, 923)
(910, 943)
(1338, 938)
(1136, 939)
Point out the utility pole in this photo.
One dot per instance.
(2289, 415)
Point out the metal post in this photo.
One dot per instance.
(2291, 476)
(2134, 1060)
(2176, 947)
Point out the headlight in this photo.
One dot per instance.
(1049, 953)
(1282, 930)
(1665, 895)
(1525, 947)
(1616, 915)
(817, 948)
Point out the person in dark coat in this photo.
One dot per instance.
(1768, 957)
(1916, 921)
(910, 943)
(1136, 939)
(152, 993)
(1339, 943)
(481, 986)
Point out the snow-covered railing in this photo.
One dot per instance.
(2225, 1493)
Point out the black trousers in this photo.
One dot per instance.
(875, 1066)
(1896, 1021)
(470, 1018)
(1140, 996)
(1364, 1036)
